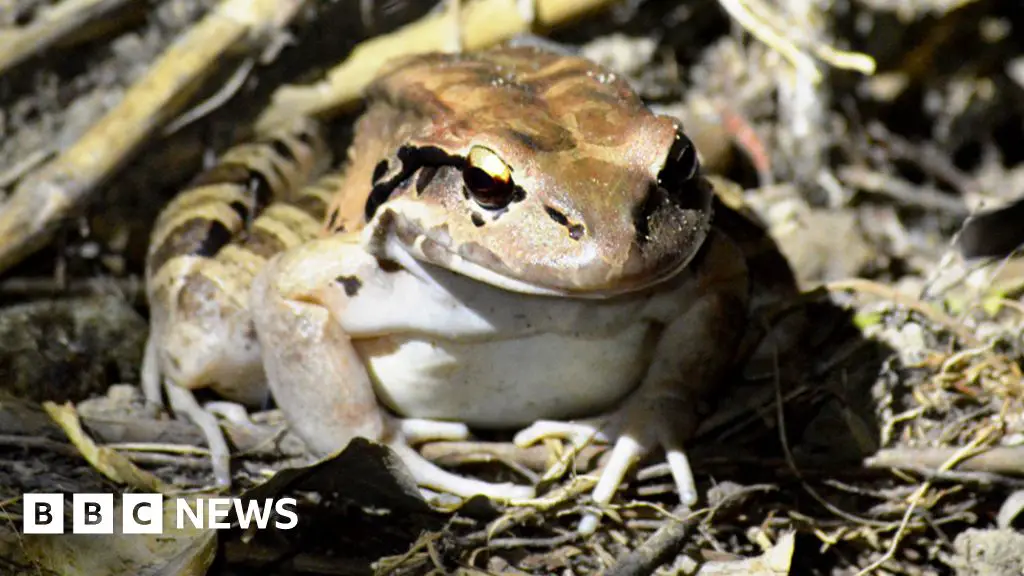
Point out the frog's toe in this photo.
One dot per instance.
(232, 412)
(636, 430)
(429, 475)
(416, 430)
(183, 402)
(579, 433)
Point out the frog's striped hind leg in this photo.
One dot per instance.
(207, 246)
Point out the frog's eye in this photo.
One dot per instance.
(488, 178)
(681, 164)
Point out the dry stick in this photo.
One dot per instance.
(657, 549)
(903, 192)
(131, 288)
(765, 24)
(484, 22)
(998, 460)
(54, 25)
(29, 218)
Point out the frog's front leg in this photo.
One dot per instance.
(692, 355)
(311, 306)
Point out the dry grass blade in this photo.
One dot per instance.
(108, 462)
(55, 25)
(762, 21)
(42, 200)
(484, 22)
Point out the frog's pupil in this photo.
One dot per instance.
(487, 190)
(681, 165)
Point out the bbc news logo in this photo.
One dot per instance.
(144, 513)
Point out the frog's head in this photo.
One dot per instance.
(543, 175)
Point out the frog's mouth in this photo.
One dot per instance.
(395, 238)
(423, 252)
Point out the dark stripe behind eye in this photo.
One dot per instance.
(410, 159)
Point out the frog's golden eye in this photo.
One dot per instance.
(488, 178)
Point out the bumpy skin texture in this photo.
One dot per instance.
(584, 294)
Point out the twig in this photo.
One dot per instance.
(553, 542)
(41, 201)
(484, 22)
(925, 154)
(767, 26)
(24, 166)
(903, 192)
(225, 93)
(997, 460)
(661, 546)
(535, 458)
(14, 441)
(171, 460)
(54, 25)
(131, 288)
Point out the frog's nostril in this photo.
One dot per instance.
(576, 231)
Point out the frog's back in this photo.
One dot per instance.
(526, 93)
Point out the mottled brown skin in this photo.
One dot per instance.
(572, 135)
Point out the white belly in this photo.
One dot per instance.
(508, 383)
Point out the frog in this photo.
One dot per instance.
(514, 241)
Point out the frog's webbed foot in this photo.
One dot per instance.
(430, 475)
(636, 429)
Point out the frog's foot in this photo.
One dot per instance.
(636, 429)
(182, 401)
(417, 430)
(426, 474)
(429, 475)
(234, 413)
